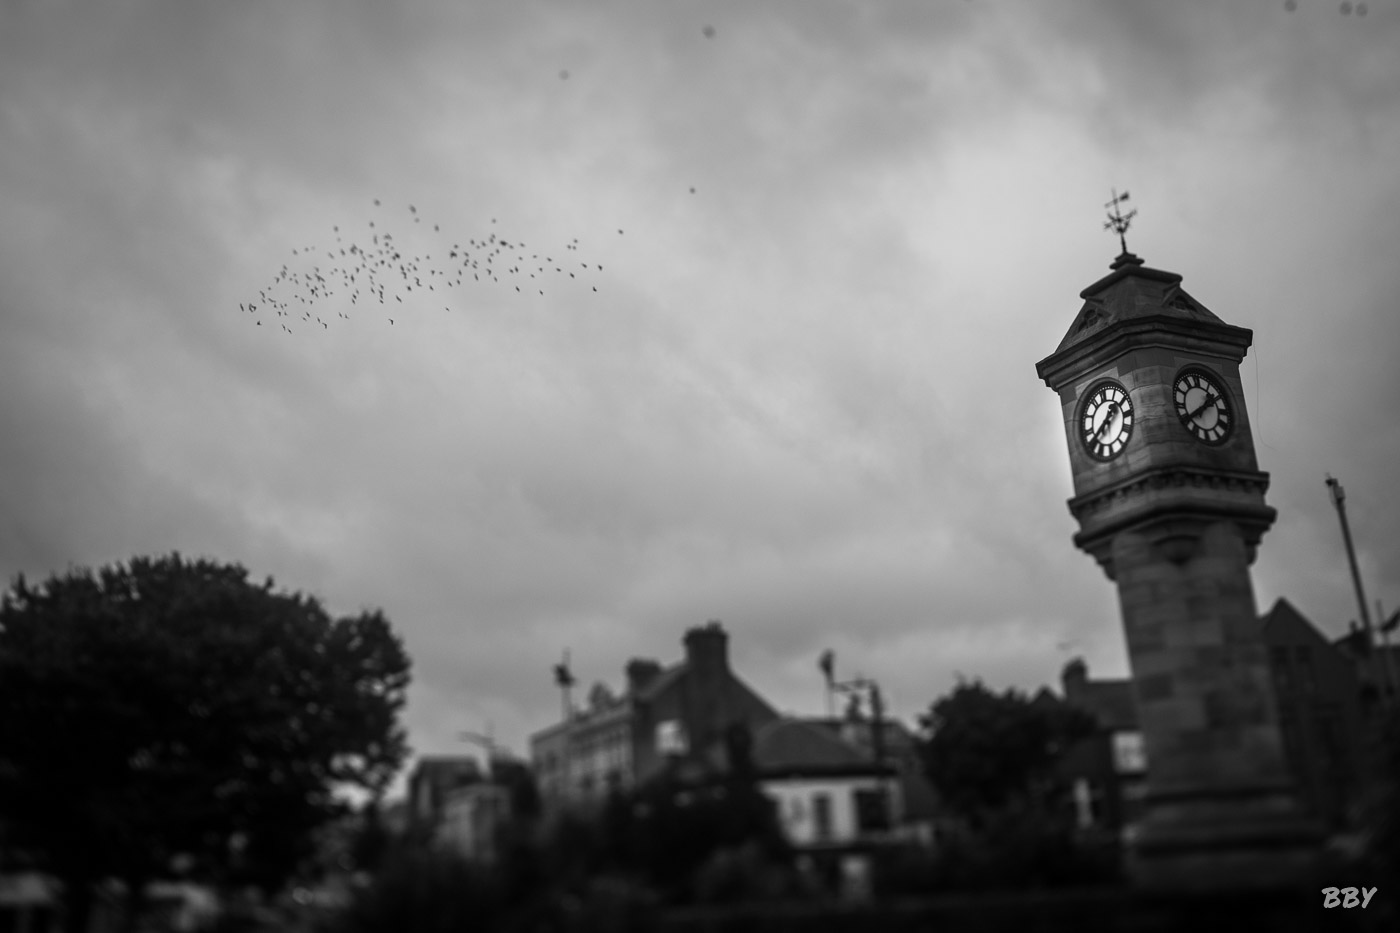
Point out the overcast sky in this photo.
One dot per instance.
(829, 241)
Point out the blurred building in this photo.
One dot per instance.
(835, 803)
(1319, 690)
(473, 818)
(1106, 770)
(434, 777)
(830, 794)
(918, 814)
(666, 716)
(29, 903)
(1319, 698)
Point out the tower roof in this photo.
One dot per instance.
(1131, 291)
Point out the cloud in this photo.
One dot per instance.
(803, 397)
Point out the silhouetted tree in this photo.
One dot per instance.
(986, 750)
(371, 840)
(172, 708)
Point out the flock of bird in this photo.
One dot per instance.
(377, 271)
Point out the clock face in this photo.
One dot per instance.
(1202, 406)
(1106, 421)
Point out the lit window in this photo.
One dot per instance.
(1129, 753)
(670, 738)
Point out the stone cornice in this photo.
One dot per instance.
(1251, 484)
(1152, 503)
(1197, 337)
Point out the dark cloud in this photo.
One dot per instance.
(803, 399)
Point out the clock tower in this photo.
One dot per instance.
(1170, 502)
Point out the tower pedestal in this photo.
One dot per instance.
(1170, 502)
(1221, 810)
(1209, 840)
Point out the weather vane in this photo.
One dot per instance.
(1117, 221)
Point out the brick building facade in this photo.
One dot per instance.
(665, 714)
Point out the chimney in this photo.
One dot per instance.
(707, 649)
(1074, 678)
(640, 673)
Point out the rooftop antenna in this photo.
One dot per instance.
(564, 680)
(1118, 221)
(827, 663)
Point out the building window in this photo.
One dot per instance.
(821, 816)
(1129, 753)
(1303, 661)
(1279, 657)
(1292, 739)
(670, 738)
(872, 808)
(1330, 739)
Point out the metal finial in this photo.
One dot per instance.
(1117, 221)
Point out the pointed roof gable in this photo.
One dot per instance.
(1284, 620)
(1131, 291)
(793, 745)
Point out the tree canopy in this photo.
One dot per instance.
(171, 708)
(986, 749)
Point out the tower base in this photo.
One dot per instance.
(1233, 842)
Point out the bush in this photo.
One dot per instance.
(1020, 846)
(746, 874)
(425, 891)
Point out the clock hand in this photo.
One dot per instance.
(1210, 400)
(1107, 421)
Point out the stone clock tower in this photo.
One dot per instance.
(1170, 502)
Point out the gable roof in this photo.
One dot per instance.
(798, 748)
(661, 682)
(1133, 291)
(896, 736)
(1285, 624)
(438, 767)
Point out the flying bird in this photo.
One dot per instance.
(385, 266)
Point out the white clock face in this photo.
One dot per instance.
(1106, 421)
(1202, 407)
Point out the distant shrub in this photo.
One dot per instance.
(1020, 846)
(747, 874)
(425, 891)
